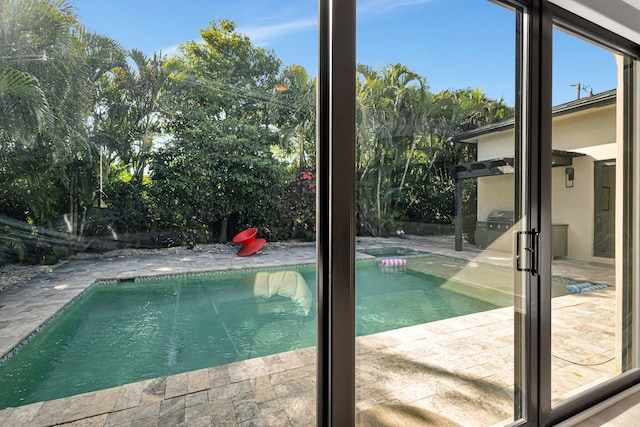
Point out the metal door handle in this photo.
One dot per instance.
(530, 250)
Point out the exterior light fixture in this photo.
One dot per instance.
(568, 177)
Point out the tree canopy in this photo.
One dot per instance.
(221, 139)
(99, 143)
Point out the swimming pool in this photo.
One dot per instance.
(121, 332)
(393, 251)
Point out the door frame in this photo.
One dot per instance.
(336, 212)
(544, 14)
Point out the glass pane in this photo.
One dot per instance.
(593, 229)
(157, 181)
(438, 305)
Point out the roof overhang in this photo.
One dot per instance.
(599, 100)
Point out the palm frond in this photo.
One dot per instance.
(11, 244)
(24, 92)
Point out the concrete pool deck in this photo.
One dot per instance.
(457, 367)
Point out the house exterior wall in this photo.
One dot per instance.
(574, 207)
(496, 192)
(585, 129)
(496, 145)
(589, 132)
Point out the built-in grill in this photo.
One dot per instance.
(498, 221)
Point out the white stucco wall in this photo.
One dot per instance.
(589, 132)
(496, 145)
(592, 133)
(574, 206)
(585, 129)
(496, 192)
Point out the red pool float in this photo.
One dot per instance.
(250, 245)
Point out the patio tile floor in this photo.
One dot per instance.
(458, 367)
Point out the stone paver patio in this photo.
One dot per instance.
(460, 367)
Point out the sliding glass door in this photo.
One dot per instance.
(482, 270)
(592, 296)
(585, 151)
(439, 203)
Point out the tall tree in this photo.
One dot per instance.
(130, 110)
(48, 65)
(403, 151)
(430, 197)
(295, 114)
(391, 104)
(42, 44)
(218, 167)
(22, 45)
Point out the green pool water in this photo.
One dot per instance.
(124, 332)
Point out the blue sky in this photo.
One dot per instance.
(453, 43)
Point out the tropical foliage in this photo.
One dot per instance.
(404, 150)
(102, 146)
(218, 165)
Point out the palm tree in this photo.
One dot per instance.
(129, 110)
(403, 152)
(391, 104)
(145, 83)
(48, 65)
(295, 115)
(24, 103)
(26, 26)
(26, 110)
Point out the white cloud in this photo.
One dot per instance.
(264, 34)
(378, 7)
(173, 50)
(169, 51)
